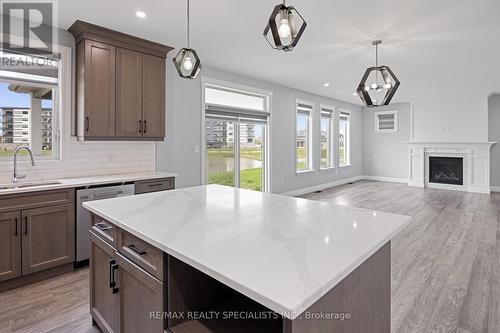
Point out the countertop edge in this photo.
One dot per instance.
(91, 181)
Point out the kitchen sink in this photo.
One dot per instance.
(12, 186)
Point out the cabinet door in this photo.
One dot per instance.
(140, 295)
(99, 89)
(104, 296)
(128, 93)
(153, 96)
(48, 237)
(10, 245)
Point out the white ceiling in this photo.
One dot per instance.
(437, 48)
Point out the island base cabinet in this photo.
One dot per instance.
(360, 303)
(104, 298)
(122, 295)
(140, 296)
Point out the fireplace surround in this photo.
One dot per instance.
(475, 159)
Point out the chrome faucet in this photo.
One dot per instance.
(17, 176)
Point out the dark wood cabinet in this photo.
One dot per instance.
(122, 294)
(37, 236)
(104, 296)
(140, 295)
(129, 85)
(98, 82)
(153, 102)
(48, 237)
(120, 85)
(10, 245)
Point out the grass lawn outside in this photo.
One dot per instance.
(7, 153)
(249, 178)
(250, 153)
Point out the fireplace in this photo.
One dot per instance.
(446, 170)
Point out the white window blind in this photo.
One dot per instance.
(386, 121)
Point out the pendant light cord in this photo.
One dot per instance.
(188, 24)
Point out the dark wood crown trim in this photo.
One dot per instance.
(84, 30)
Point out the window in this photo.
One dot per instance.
(236, 126)
(344, 138)
(326, 139)
(386, 121)
(29, 88)
(303, 136)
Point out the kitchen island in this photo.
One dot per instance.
(220, 259)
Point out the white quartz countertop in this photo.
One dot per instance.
(87, 181)
(283, 252)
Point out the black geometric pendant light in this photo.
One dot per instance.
(379, 84)
(283, 24)
(187, 62)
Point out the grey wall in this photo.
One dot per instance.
(178, 152)
(494, 135)
(386, 154)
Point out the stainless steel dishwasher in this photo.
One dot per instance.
(83, 217)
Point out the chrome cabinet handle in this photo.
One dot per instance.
(113, 266)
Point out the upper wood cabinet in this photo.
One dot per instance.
(120, 85)
(129, 93)
(98, 88)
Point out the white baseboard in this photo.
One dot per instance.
(386, 179)
(495, 188)
(474, 189)
(320, 187)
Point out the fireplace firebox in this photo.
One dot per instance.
(446, 170)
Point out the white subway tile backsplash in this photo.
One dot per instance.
(88, 159)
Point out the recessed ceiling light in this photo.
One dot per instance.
(354, 93)
(140, 14)
(326, 84)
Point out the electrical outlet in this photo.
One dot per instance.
(197, 149)
(282, 181)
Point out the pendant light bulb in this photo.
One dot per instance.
(187, 62)
(284, 30)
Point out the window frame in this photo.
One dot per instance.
(63, 114)
(377, 123)
(310, 147)
(331, 142)
(347, 139)
(242, 89)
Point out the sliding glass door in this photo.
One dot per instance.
(235, 152)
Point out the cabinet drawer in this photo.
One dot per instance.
(156, 185)
(13, 202)
(143, 254)
(107, 231)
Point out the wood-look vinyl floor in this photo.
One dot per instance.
(446, 263)
(445, 266)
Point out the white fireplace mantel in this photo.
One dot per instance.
(476, 157)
